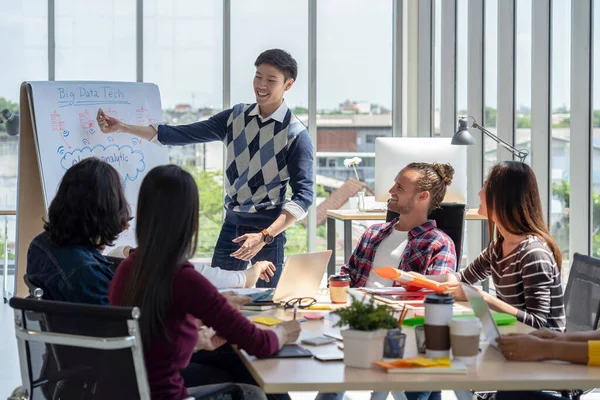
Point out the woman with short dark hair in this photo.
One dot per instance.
(87, 214)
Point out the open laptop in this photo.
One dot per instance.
(301, 276)
(482, 311)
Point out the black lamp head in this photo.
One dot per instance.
(462, 135)
(11, 121)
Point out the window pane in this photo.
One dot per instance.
(596, 130)
(287, 29)
(561, 133)
(250, 36)
(354, 81)
(183, 52)
(490, 89)
(95, 40)
(24, 28)
(523, 76)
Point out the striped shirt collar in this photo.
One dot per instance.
(278, 115)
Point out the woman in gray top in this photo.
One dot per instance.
(524, 260)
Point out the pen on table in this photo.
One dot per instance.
(295, 310)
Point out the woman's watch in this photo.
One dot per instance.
(267, 237)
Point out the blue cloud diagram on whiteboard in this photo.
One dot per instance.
(129, 162)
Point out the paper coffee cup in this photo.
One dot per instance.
(438, 314)
(464, 339)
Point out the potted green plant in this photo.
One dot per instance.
(367, 324)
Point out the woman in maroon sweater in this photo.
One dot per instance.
(172, 296)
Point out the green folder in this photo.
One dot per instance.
(500, 318)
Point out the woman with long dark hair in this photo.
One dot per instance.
(171, 294)
(87, 214)
(523, 260)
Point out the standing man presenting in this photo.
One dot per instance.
(267, 148)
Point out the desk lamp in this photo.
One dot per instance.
(464, 137)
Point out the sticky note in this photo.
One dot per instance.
(417, 362)
(313, 316)
(268, 321)
(320, 307)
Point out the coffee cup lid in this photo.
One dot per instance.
(339, 277)
(439, 298)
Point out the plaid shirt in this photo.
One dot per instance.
(429, 251)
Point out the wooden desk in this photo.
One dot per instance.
(347, 216)
(492, 371)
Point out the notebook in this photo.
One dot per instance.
(260, 306)
(292, 351)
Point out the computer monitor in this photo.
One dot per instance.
(393, 154)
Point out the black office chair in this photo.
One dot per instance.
(582, 301)
(582, 295)
(80, 351)
(450, 218)
(34, 291)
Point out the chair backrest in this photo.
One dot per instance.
(81, 351)
(582, 295)
(450, 218)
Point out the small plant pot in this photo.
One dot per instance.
(362, 348)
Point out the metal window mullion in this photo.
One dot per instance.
(475, 93)
(397, 62)
(581, 128)
(448, 75)
(226, 70)
(226, 54)
(505, 120)
(139, 40)
(541, 126)
(51, 41)
(312, 114)
(425, 77)
(405, 67)
(412, 67)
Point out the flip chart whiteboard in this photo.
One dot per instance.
(65, 132)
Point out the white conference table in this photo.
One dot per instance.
(492, 371)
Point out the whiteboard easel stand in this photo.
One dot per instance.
(31, 209)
